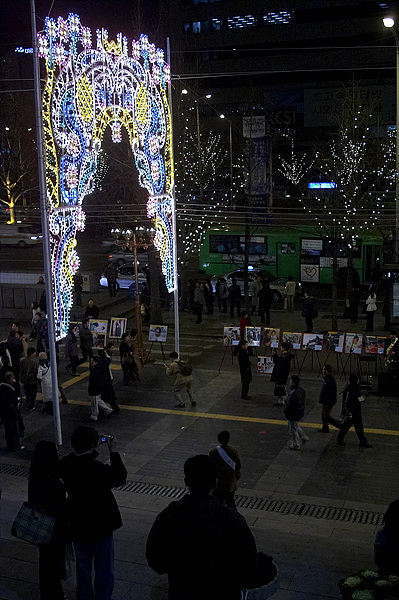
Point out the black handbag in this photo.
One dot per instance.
(279, 390)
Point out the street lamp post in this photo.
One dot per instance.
(132, 239)
(390, 22)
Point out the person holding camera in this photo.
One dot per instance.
(92, 510)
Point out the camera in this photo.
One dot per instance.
(106, 437)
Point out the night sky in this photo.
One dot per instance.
(131, 17)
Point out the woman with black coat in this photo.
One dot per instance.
(108, 393)
(46, 491)
(245, 369)
(281, 371)
(352, 412)
(72, 350)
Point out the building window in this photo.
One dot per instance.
(216, 24)
(197, 27)
(277, 18)
(240, 22)
(204, 1)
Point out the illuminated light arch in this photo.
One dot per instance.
(86, 91)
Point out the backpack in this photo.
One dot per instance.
(185, 368)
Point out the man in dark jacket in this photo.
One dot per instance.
(86, 341)
(92, 311)
(309, 311)
(235, 298)
(9, 412)
(352, 412)
(294, 411)
(205, 547)
(265, 296)
(281, 371)
(28, 366)
(92, 511)
(328, 398)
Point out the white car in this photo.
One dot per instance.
(125, 277)
(19, 235)
(277, 285)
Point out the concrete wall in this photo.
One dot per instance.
(16, 298)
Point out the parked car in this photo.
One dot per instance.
(120, 257)
(277, 285)
(19, 235)
(125, 276)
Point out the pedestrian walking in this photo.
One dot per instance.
(223, 294)
(47, 492)
(265, 296)
(78, 287)
(281, 370)
(198, 302)
(9, 412)
(28, 367)
(309, 311)
(328, 399)
(228, 469)
(352, 412)
(255, 287)
(92, 311)
(208, 296)
(206, 549)
(96, 386)
(245, 369)
(111, 275)
(92, 511)
(72, 350)
(182, 372)
(290, 292)
(294, 412)
(108, 393)
(235, 298)
(371, 304)
(86, 342)
(128, 364)
(15, 348)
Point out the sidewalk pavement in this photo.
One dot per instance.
(316, 511)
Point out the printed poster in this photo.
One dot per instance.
(335, 341)
(118, 327)
(312, 341)
(231, 336)
(158, 333)
(294, 339)
(252, 335)
(353, 343)
(271, 337)
(375, 344)
(98, 327)
(310, 273)
(265, 364)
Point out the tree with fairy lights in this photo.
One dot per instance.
(18, 169)
(360, 165)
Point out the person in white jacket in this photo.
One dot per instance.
(371, 304)
(44, 376)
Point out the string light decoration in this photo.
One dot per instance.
(88, 89)
(361, 166)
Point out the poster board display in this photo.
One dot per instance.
(99, 327)
(252, 335)
(375, 344)
(353, 343)
(271, 337)
(312, 341)
(265, 364)
(335, 341)
(294, 339)
(117, 327)
(158, 333)
(231, 336)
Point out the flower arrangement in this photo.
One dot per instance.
(368, 585)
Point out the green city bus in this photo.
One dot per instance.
(284, 251)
